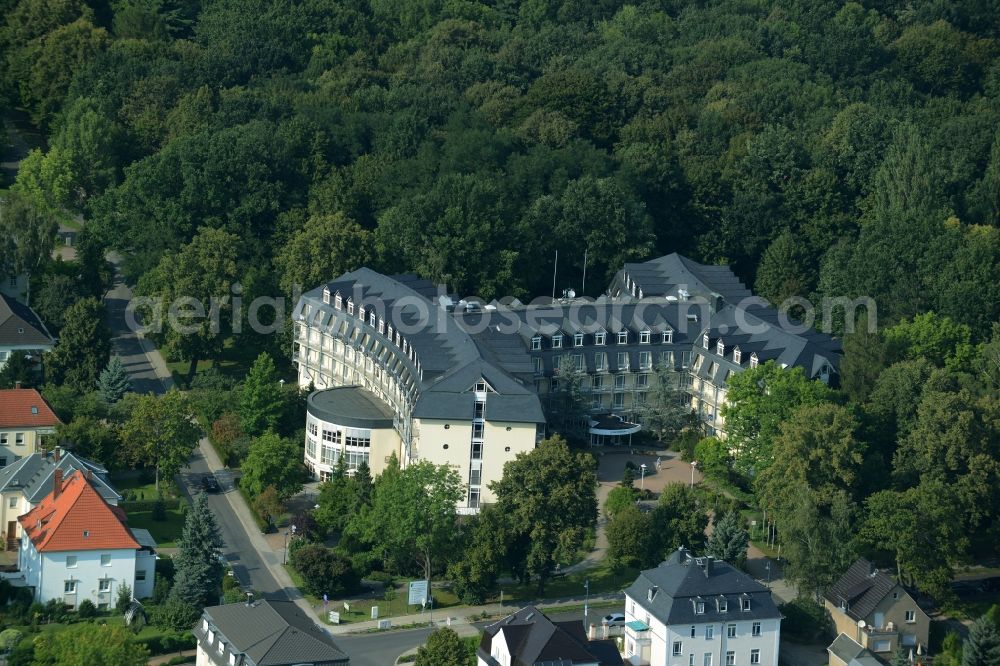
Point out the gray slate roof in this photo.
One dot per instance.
(272, 633)
(851, 652)
(680, 583)
(32, 475)
(350, 406)
(534, 640)
(20, 326)
(861, 588)
(452, 359)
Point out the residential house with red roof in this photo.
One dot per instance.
(76, 546)
(25, 418)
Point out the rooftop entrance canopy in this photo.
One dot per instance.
(612, 430)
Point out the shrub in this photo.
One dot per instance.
(124, 597)
(9, 638)
(324, 571)
(86, 609)
(620, 498)
(173, 614)
(806, 620)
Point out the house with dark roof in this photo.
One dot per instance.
(76, 546)
(844, 651)
(870, 608)
(699, 610)
(263, 633)
(21, 331)
(24, 483)
(25, 419)
(529, 638)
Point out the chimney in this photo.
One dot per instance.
(89, 475)
(17, 384)
(56, 483)
(57, 453)
(708, 565)
(249, 599)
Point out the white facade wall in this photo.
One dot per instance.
(49, 572)
(700, 650)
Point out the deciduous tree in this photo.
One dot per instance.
(272, 461)
(159, 432)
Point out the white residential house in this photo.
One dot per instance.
(699, 611)
(78, 547)
(22, 332)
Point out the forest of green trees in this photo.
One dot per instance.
(820, 147)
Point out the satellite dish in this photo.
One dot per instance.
(861, 624)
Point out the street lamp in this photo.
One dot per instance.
(694, 464)
(767, 565)
(642, 476)
(284, 557)
(586, 605)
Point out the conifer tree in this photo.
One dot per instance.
(113, 381)
(261, 403)
(199, 572)
(729, 540)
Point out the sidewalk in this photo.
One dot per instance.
(164, 658)
(462, 618)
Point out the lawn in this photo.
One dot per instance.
(234, 361)
(141, 486)
(166, 532)
(603, 579)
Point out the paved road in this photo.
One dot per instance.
(146, 377)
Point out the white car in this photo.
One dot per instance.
(614, 620)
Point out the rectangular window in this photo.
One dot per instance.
(685, 359)
(623, 337)
(731, 631)
(713, 367)
(639, 399)
(622, 361)
(600, 362)
(619, 382)
(12, 502)
(619, 401)
(3, 438)
(538, 365)
(709, 631)
(69, 587)
(536, 343)
(479, 410)
(140, 574)
(911, 616)
(557, 342)
(642, 381)
(755, 630)
(643, 337)
(477, 430)
(477, 450)
(668, 337)
(724, 606)
(691, 659)
(106, 560)
(730, 658)
(222, 648)
(596, 403)
(699, 608)
(71, 561)
(104, 585)
(693, 630)
(232, 659)
(600, 338)
(678, 648)
(707, 660)
(597, 383)
(19, 438)
(204, 625)
(578, 340)
(744, 604)
(754, 656)
(645, 360)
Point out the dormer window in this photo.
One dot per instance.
(722, 605)
(704, 340)
(350, 306)
(371, 318)
(745, 604)
(390, 334)
(600, 338)
(578, 340)
(536, 343)
(699, 608)
(326, 295)
(381, 325)
(643, 337)
(640, 294)
(753, 360)
(557, 341)
(668, 337)
(737, 355)
(720, 348)
(362, 311)
(338, 301)
(623, 337)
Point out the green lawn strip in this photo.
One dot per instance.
(149, 635)
(141, 488)
(603, 578)
(165, 532)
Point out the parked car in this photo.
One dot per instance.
(614, 620)
(210, 484)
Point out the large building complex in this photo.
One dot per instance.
(400, 367)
